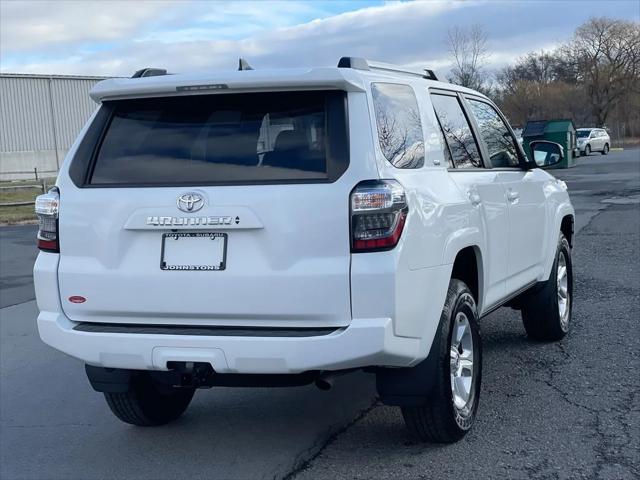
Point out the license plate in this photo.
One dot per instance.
(193, 251)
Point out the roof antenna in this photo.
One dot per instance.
(244, 65)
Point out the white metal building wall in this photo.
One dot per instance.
(33, 107)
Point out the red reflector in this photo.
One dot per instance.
(382, 243)
(50, 245)
(77, 299)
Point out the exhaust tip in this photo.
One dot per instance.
(324, 382)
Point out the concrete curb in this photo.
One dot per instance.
(18, 222)
(17, 204)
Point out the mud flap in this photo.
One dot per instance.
(409, 387)
(111, 380)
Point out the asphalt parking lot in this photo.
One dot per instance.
(564, 410)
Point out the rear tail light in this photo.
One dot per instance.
(47, 206)
(378, 212)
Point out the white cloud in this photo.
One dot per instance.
(233, 19)
(320, 42)
(183, 36)
(32, 25)
(37, 25)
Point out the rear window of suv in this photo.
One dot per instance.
(223, 139)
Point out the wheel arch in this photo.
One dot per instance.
(564, 222)
(567, 225)
(460, 247)
(467, 267)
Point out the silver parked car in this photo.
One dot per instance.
(593, 140)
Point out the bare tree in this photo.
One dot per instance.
(540, 85)
(594, 79)
(393, 140)
(542, 67)
(468, 47)
(605, 55)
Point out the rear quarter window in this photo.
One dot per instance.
(244, 138)
(398, 124)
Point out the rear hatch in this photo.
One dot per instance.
(219, 209)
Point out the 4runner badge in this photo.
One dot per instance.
(157, 221)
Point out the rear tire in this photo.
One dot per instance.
(148, 403)
(451, 408)
(546, 311)
(605, 150)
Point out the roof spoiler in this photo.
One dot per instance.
(359, 63)
(156, 72)
(149, 72)
(244, 65)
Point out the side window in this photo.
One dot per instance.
(462, 145)
(500, 143)
(399, 126)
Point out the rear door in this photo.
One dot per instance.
(602, 139)
(595, 140)
(482, 187)
(225, 209)
(524, 192)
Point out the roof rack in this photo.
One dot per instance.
(149, 72)
(359, 63)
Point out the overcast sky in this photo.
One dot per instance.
(119, 37)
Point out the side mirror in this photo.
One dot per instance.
(546, 153)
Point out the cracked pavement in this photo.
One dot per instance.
(555, 410)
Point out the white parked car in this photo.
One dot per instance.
(281, 227)
(593, 140)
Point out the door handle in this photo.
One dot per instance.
(512, 196)
(474, 198)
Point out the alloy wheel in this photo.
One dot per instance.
(564, 297)
(461, 364)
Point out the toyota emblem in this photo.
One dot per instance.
(190, 202)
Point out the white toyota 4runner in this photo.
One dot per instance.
(282, 227)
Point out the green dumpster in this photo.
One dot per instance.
(558, 131)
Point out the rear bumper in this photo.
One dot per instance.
(366, 342)
(393, 327)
